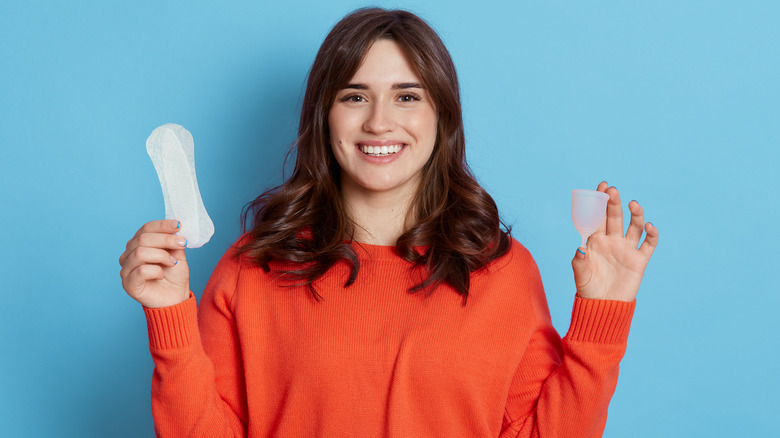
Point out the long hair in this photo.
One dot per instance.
(452, 216)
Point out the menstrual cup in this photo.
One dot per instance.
(588, 208)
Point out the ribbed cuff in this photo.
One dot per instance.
(604, 321)
(173, 327)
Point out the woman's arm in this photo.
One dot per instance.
(562, 388)
(194, 393)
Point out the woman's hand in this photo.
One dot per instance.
(154, 268)
(611, 267)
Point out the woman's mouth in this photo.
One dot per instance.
(381, 151)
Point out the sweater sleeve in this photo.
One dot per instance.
(562, 388)
(197, 385)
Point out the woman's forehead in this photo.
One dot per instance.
(385, 65)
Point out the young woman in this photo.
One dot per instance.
(376, 293)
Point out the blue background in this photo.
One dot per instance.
(675, 102)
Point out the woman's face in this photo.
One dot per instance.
(382, 125)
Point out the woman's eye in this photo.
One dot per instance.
(352, 98)
(408, 98)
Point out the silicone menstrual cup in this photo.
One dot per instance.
(588, 208)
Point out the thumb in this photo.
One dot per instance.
(580, 264)
(178, 254)
(179, 274)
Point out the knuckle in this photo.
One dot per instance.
(141, 230)
(144, 253)
(140, 253)
(145, 239)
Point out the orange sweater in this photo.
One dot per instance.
(372, 360)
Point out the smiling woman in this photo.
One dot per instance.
(383, 130)
(310, 325)
(380, 78)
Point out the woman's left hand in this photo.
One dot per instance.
(611, 267)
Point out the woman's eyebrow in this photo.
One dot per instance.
(398, 86)
(405, 85)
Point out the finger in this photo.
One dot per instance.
(136, 280)
(158, 241)
(637, 224)
(165, 226)
(651, 240)
(148, 256)
(155, 240)
(602, 229)
(614, 213)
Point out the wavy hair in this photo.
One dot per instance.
(453, 219)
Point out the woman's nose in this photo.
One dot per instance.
(379, 119)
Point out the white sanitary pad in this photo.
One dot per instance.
(172, 151)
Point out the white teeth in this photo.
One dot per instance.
(381, 151)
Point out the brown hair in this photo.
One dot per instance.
(453, 217)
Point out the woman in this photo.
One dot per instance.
(376, 294)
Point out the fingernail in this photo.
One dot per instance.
(651, 224)
(580, 251)
(176, 225)
(174, 260)
(181, 242)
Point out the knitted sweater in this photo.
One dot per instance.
(260, 359)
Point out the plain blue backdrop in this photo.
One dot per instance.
(675, 102)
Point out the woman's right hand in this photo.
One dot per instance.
(154, 267)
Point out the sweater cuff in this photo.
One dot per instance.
(604, 321)
(174, 326)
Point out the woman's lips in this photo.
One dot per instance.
(383, 150)
(380, 153)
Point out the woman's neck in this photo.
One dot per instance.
(379, 217)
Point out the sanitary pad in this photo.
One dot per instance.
(172, 151)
